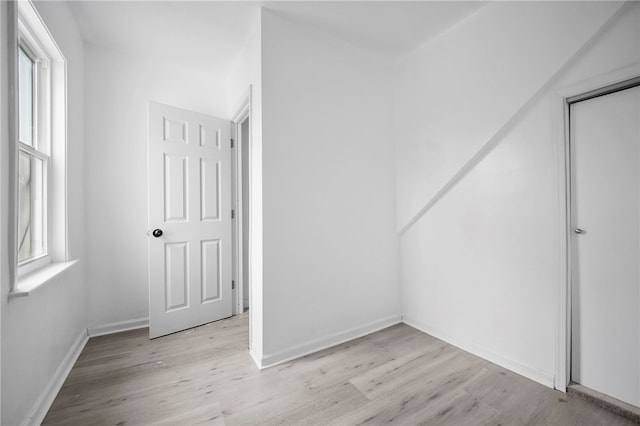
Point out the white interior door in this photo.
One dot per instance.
(190, 204)
(605, 151)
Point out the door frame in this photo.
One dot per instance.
(604, 84)
(243, 112)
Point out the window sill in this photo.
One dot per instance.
(28, 283)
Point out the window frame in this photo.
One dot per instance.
(26, 27)
(24, 46)
(40, 136)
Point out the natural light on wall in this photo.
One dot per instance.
(40, 147)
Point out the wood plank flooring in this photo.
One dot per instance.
(398, 375)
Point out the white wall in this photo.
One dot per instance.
(118, 87)
(477, 75)
(247, 71)
(330, 250)
(38, 331)
(482, 267)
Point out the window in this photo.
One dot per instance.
(39, 146)
(33, 156)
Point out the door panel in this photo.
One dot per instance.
(176, 275)
(176, 190)
(211, 271)
(209, 189)
(190, 201)
(605, 150)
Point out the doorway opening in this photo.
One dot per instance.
(241, 199)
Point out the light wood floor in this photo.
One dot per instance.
(398, 375)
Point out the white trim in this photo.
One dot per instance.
(238, 228)
(32, 265)
(563, 321)
(244, 106)
(54, 134)
(244, 110)
(43, 403)
(328, 341)
(257, 358)
(12, 152)
(28, 283)
(36, 25)
(243, 113)
(118, 327)
(533, 373)
(563, 167)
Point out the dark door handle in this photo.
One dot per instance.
(157, 233)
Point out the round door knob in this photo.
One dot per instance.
(579, 231)
(157, 233)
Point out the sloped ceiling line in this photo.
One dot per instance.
(504, 130)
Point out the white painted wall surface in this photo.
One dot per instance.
(482, 268)
(247, 71)
(455, 92)
(38, 331)
(118, 87)
(330, 250)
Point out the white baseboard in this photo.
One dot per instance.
(543, 377)
(257, 358)
(48, 395)
(117, 327)
(325, 342)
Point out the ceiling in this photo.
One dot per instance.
(211, 33)
(200, 34)
(387, 27)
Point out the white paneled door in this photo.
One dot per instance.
(189, 219)
(605, 153)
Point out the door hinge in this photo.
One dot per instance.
(231, 143)
(233, 285)
(233, 214)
